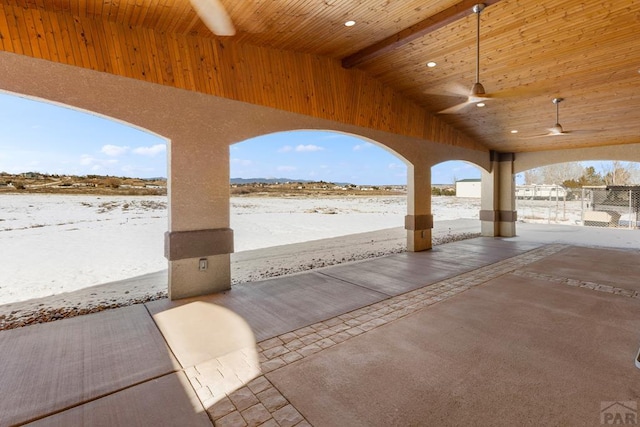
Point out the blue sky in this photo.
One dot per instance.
(329, 156)
(42, 137)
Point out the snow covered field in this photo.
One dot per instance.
(59, 243)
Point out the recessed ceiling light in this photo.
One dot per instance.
(431, 64)
(514, 131)
(480, 104)
(350, 23)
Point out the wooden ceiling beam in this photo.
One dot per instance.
(413, 32)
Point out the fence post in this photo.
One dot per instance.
(630, 207)
(557, 202)
(582, 207)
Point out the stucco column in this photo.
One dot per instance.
(199, 241)
(419, 220)
(498, 215)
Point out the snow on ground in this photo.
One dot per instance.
(550, 211)
(60, 243)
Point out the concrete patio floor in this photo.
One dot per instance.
(485, 331)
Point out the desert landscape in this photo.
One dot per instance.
(59, 250)
(61, 243)
(68, 251)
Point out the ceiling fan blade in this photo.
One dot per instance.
(584, 131)
(449, 89)
(456, 108)
(457, 89)
(215, 16)
(544, 135)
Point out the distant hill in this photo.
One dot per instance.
(275, 181)
(265, 180)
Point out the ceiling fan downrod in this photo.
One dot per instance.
(478, 89)
(557, 128)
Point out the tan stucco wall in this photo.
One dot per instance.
(200, 128)
(626, 152)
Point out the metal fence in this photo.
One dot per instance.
(549, 204)
(611, 206)
(605, 206)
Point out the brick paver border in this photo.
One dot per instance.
(260, 403)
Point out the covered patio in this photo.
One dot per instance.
(501, 330)
(487, 331)
(394, 79)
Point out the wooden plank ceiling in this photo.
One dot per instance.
(587, 52)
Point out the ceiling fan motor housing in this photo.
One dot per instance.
(477, 89)
(478, 7)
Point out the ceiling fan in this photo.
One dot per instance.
(477, 95)
(557, 130)
(215, 16)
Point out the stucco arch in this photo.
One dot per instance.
(173, 112)
(200, 129)
(470, 162)
(626, 152)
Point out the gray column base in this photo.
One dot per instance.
(498, 223)
(418, 232)
(186, 279)
(197, 243)
(499, 216)
(419, 240)
(418, 222)
(186, 249)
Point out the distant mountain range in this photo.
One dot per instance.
(264, 180)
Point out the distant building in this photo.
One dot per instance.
(469, 188)
(32, 175)
(540, 192)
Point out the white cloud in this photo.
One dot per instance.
(309, 147)
(285, 149)
(151, 151)
(364, 146)
(114, 150)
(396, 166)
(286, 168)
(87, 160)
(241, 162)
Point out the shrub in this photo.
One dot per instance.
(113, 183)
